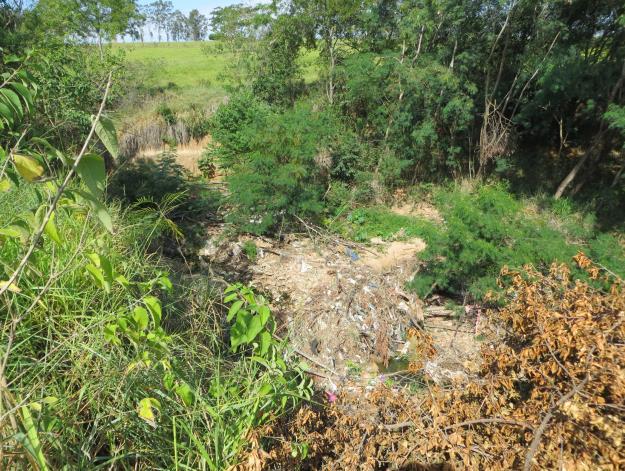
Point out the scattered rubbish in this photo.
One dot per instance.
(351, 254)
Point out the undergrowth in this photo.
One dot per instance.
(485, 228)
(99, 380)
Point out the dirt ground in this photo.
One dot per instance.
(345, 308)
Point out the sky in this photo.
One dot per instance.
(204, 6)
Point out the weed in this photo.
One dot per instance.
(250, 250)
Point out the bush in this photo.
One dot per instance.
(149, 179)
(278, 164)
(104, 384)
(363, 224)
(487, 229)
(232, 130)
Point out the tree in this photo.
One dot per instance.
(87, 20)
(198, 25)
(136, 26)
(332, 21)
(178, 26)
(240, 28)
(160, 14)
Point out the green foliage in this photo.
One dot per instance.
(363, 224)
(487, 229)
(425, 129)
(232, 131)
(277, 163)
(86, 19)
(250, 250)
(70, 80)
(100, 365)
(139, 179)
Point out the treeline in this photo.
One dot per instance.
(423, 91)
(102, 21)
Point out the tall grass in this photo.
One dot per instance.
(82, 391)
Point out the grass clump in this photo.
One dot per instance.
(363, 224)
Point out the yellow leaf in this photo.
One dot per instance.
(28, 167)
(146, 411)
(12, 287)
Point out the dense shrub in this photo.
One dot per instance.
(487, 229)
(231, 129)
(70, 81)
(422, 113)
(145, 178)
(278, 164)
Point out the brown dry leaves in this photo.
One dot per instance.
(551, 394)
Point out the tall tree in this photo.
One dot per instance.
(198, 25)
(178, 26)
(160, 14)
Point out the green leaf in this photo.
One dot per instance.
(141, 318)
(12, 100)
(98, 276)
(184, 392)
(265, 342)
(28, 167)
(233, 310)
(105, 129)
(99, 209)
(51, 229)
(16, 232)
(165, 283)
(92, 172)
(146, 411)
(154, 305)
(264, 313)
(6, 114)
(122, 280)
(265, 389)
(239, 331)
(254, 328)
(110, 334)
(24, 92)
(231, 297)
(101, 270)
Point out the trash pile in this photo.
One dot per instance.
(344, 306)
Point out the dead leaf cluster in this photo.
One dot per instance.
(549, 395)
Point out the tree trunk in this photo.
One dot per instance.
(571, 176)
(573, 173)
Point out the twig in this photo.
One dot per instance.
(335, 239)
(397, 427)
(311, 359)
(545, 423)
(492, 420)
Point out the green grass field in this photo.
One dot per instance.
(185, 64)
(184, 73)
(177, 74)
